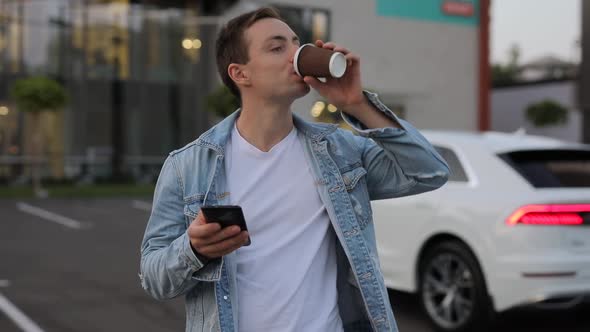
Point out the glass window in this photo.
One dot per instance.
(137, 73)
(458, 173)
(552, 168)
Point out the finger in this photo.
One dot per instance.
(226, 246)
(341, 50)
(329, 45)
(244, 239)
(352, 58)
(314, 83)
(230, 250)
(200, 219)
(319, 43)
(197, 231)
(220, 236)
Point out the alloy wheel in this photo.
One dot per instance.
(448, 290)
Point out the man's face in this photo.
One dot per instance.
(271, 47)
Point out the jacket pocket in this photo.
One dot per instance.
(356, 186)
(191, 210)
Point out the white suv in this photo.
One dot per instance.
(510, 228)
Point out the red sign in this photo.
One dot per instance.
(458, 8)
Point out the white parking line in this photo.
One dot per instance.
(17, 316)
(48, 215)
(141, 205)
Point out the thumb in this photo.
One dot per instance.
(200, 219)
(314, 83)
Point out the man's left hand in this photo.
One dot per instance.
(345, 92)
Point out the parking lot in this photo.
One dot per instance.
(72, 265)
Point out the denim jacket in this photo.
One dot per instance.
(350, 170)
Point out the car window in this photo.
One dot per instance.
(552, 168)
(458, 173)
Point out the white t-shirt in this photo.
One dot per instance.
(287, 277)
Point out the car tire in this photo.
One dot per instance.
(452, 289)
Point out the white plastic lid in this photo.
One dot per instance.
(296, 58)
(337, 65)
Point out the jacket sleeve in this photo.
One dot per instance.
(169, 267)
(399, 161)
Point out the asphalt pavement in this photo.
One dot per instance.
(72, 265)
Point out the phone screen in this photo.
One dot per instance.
(226, 215)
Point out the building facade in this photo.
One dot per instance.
(138, 72)
(422, 60)
(509, 106)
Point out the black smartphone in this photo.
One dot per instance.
(226, 215)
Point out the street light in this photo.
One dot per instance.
(188, 44)
(317, 108)
(197, 44)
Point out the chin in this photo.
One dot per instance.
(291, 93)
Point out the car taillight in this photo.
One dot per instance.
(550, 214)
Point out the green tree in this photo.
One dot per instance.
(36, 95)
(504, 74)
(546, 113)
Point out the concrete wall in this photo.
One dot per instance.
(430, 68)
(508, 105)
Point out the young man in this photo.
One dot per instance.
(305, 190)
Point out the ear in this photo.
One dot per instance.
(239, 74)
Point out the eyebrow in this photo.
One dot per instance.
(281, 38)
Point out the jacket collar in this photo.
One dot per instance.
(216, 137)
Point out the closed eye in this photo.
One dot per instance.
(277, 49)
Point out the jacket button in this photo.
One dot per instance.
(225, 297)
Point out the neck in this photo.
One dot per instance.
(264, 123)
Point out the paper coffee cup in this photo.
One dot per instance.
(311, 60)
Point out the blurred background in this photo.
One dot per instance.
(141, 81)
(95, 93)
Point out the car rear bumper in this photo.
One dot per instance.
(550, 282)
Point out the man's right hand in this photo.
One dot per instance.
(209, 240)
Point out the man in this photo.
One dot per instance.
(305, 190)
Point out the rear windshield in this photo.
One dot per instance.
(552, 168)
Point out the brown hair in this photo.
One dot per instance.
(231, 46)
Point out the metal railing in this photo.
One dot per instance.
(80, 168)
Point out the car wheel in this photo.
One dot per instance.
(452, 289)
